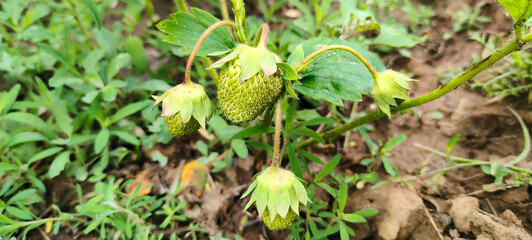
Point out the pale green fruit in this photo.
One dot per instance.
(244, 100)
(278, 193)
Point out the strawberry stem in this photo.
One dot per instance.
(199, 42)
(264, 30)
(309, 59)
(277, 136)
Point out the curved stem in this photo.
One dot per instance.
(199, 42)
(277, 137)
(305, 63)
(264, 29)
(510, 47)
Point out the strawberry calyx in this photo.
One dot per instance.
(189, 100)
(278, 193)
(389, 86)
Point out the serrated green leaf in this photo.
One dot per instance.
(186, 28)
(58, 165)
(337, 75)
(520, 10)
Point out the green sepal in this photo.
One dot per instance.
(272, 202)
(294, 201)
(289, 72)
(250, 189)
(253, 199)
(250, 62)
(301, 193)
(232, 55)
(268, 64)
(290, 88)
(283, 201)
(186, 111)
(262, 198)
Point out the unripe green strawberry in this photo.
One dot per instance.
(185, 108)
(278, 222)
(177, 129)
(243, 100)
(278, 194)
(249, 82)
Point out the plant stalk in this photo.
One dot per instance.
(304, 64)
(277, 137)
(182, 5)
(264, 30)
(198, 44)
(510, 47)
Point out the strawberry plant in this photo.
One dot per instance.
(253, 79)
(83, 102)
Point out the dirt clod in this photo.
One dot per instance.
(400, 212)
(461, 210)
(489, 227)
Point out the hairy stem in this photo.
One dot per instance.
(277, 137)
(263, 31)
(305, 63)
(198, 44)
(510, 47)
